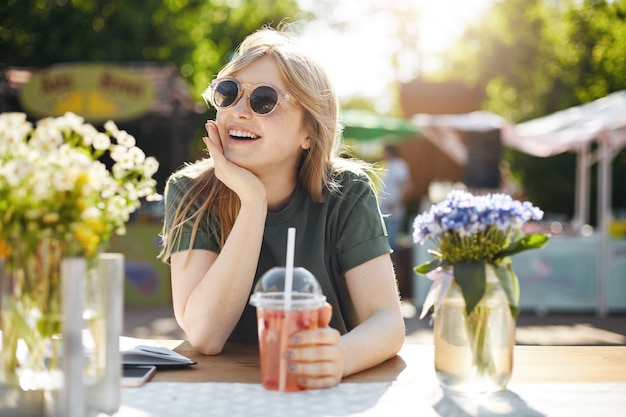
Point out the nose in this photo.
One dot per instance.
(242, 106)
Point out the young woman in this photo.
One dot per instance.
(274, 164)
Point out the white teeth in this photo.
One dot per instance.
(241, 134)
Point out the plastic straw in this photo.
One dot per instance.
(291, 243)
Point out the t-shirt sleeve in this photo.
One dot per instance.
(206, 237)
(361, 231)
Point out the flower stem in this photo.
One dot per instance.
(477, 328)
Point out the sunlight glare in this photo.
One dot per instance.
(359, 56)
(442, 23)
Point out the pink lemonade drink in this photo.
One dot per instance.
(275, 328)
(280, 314)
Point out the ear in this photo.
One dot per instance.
(305, 135)
(306, 142)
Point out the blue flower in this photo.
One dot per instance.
(464, 226)
(471, 232)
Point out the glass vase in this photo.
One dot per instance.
(31, 315)
(33, 325)
(474, 353)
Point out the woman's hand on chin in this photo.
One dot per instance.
(243, 182)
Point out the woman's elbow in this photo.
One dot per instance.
(206, 346)
(212, 350)
(396, 335)
(399, 340)
(204, 340)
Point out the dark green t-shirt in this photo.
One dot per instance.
(332, 237)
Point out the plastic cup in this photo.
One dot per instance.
(276, 324)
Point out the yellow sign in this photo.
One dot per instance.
(96, 92)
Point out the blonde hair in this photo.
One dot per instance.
(309, 85)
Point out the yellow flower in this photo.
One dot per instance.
(95, 224)
(88, 240)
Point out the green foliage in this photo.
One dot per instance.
(199, 36)
(510, 284)
(431, 265)
(43, 32)
(536, 57)
(526, 242)
(549, 182)
(470, 277)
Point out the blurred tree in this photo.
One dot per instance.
(535, 57)
(198, 36)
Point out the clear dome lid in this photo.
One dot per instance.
(270, 289)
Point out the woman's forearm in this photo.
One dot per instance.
(214, 306)
(375, 340)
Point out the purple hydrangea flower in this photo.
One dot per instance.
(464, 214)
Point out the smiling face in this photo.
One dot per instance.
(269, 144)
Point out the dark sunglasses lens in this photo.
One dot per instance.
(263, 99)
(225, 93)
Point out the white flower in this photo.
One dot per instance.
(125, 139)
(46, 137)
(13, 129)
(111, 127)
(41, 190)
(53, 183)
(88, 132)
(150, 166)
(71, 121)
(118, 152)
(14, 172)
(101, 141)
(91, 213)
(137, 155)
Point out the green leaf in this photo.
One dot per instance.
(510, 285)
(527, 242)
(429, 266)
(471, 278)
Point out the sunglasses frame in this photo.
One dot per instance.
(241, 87)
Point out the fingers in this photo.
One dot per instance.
(318, 382)
(214, 145)
(320, 336)
(307, 355)
(212, 141)
(326, 314)
(210, 126)
(316, 357)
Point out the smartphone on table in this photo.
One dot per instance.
(136, 376)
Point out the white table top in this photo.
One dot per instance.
(371, 399)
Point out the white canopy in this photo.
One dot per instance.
(442, 130)
(478, 121)
(575, 129)
(572, 129)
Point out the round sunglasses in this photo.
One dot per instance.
(226, 92)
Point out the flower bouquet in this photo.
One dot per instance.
(474, 238)
(65, 188)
